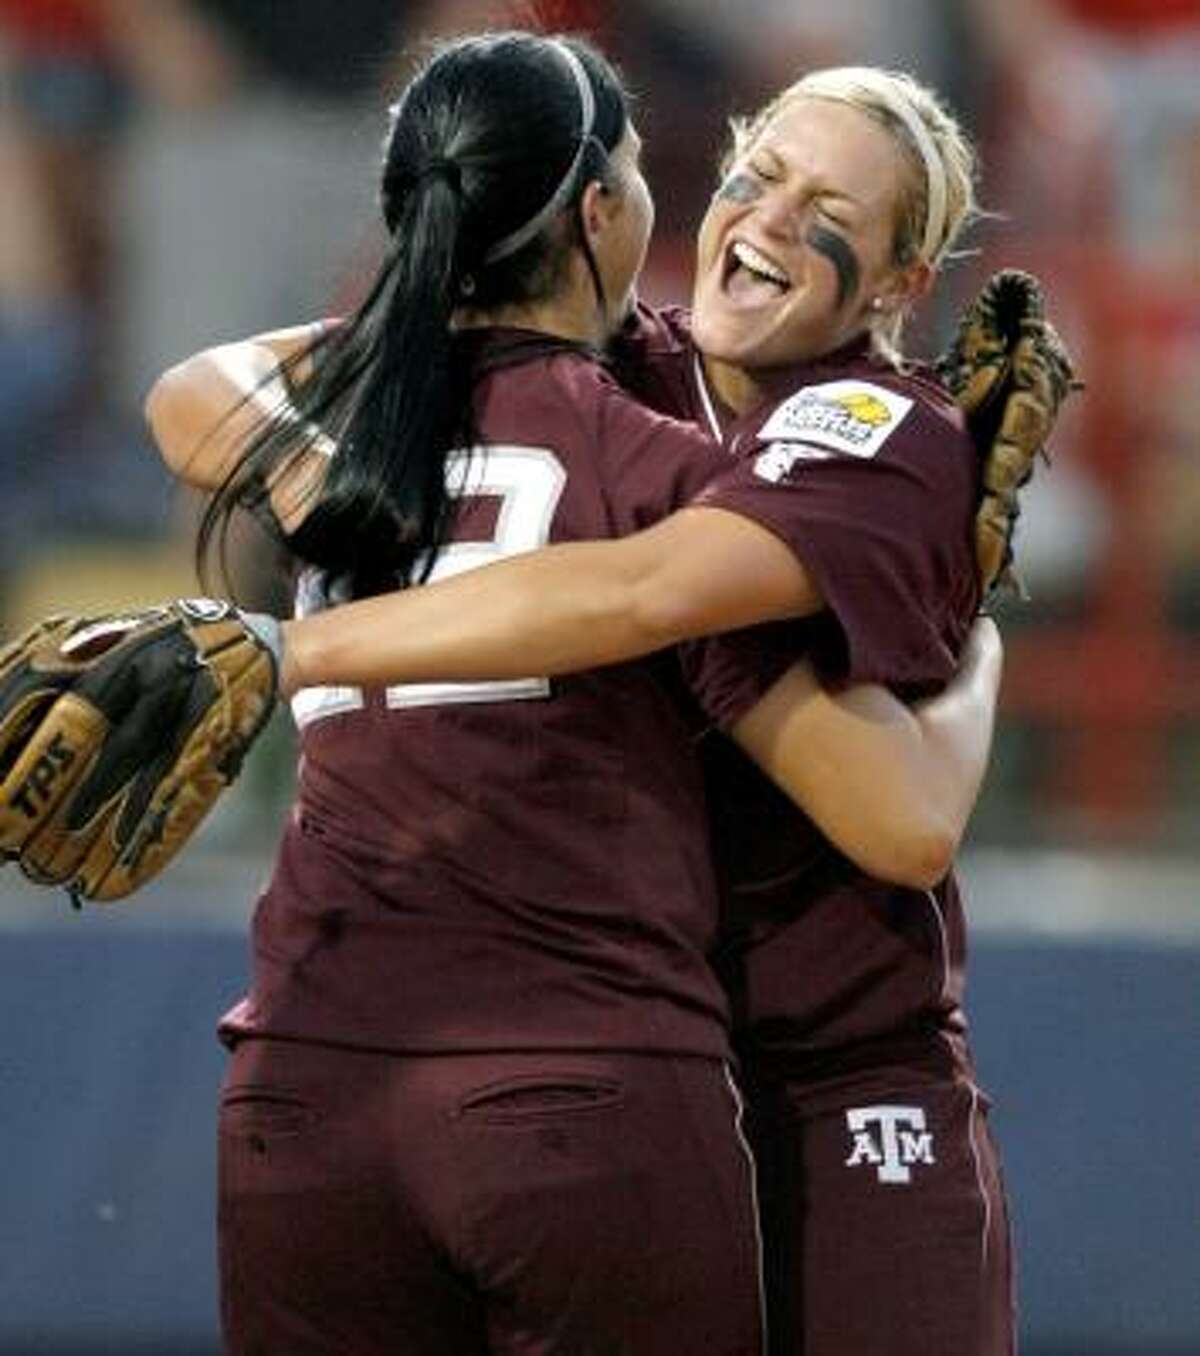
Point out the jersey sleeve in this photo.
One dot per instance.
(874, 492)
(729, 673)
(652, 463)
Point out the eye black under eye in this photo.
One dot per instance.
(840, 254)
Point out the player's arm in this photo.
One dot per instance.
(891, 786)
(564, 608)
(205, 411)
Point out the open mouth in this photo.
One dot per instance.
(750, 275)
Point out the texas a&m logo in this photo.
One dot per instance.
(890, 1139)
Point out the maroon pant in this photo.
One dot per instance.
(533, 1203)
(885, 1227)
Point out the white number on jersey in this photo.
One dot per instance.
(529, 482)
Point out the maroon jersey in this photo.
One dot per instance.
(507, 866)
(868, 475)
(654, 359)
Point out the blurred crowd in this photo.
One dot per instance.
(177, 172)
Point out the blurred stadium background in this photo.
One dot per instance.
(177, 172)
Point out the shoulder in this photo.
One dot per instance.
(570, 401)
(929, 396)
(587, 391)
(648, 460)
(557, 388)
(865, 411)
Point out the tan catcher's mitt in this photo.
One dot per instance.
(118, 733)
(1009, 371)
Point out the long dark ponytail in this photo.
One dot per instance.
(489, 144)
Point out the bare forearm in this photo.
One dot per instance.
(891, 787)
(568, 607)
(853, 763)
(957, 725)
(528, 616)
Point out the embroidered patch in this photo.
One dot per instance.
(855, 418)
(893, 1140)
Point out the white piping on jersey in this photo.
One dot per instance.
(984, 1246)
(973, 1113)
(943, 941)
(739, 1111)
(710, 409)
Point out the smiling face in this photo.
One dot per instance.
(798, 242)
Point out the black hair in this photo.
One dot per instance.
(479, 145)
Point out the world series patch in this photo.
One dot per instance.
(855, 418)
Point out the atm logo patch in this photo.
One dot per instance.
(854, 418)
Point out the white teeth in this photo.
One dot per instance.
(750, 258)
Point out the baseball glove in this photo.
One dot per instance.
(1009, 371)
(118, 733)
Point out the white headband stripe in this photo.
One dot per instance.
(587, 118)
(935, 172)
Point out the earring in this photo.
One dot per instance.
(876, 304)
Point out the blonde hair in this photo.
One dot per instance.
(939, 200)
